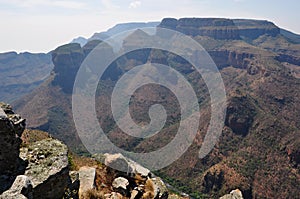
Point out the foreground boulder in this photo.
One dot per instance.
(47, 168)
(87, 177)
(119, 162)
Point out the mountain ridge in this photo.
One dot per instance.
(259, 140)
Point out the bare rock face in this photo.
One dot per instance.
(235, 194)
(11, 129)
(47, 168)
(67, 60)
(254, 28)
(211, 27)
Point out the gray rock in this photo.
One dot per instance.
(235, 194)
(11, 129)
(159, 186)
(50, 175)
(21, 188)
(121, 163)
(87, 177)
(120, 182)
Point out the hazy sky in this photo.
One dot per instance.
(42, 25)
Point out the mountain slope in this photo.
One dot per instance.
(258, 151)
(21, 73)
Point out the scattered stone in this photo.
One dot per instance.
(135, 194)
(121, 163)
(87, 177)
(120, 182)
(235, 194)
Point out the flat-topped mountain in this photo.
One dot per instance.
(252, 29)
(221, 28)
(211, 27)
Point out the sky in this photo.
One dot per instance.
(42, 25)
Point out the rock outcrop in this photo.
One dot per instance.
(67, 60)
(223, 29)
(11, 129)
(224, 58)
(212, 27)
(47, 167)
(252, 29)
(37, 170)
(240, 115)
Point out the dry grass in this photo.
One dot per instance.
(31, 136)
(92, 194)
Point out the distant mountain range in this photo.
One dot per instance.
(38, 66)
(258, 151)
(115, 30)
(22, 73)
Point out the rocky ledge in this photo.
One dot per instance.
(37, 170)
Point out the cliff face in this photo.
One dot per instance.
(252, 29)
(211, 27)
(11, 129)
(223, 29)
(67, 60)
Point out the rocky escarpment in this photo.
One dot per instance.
(37, 170)
(222, 28)
(289, 58)
(252, 29)
(224, 58)
(67, 60)
(211, 27)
